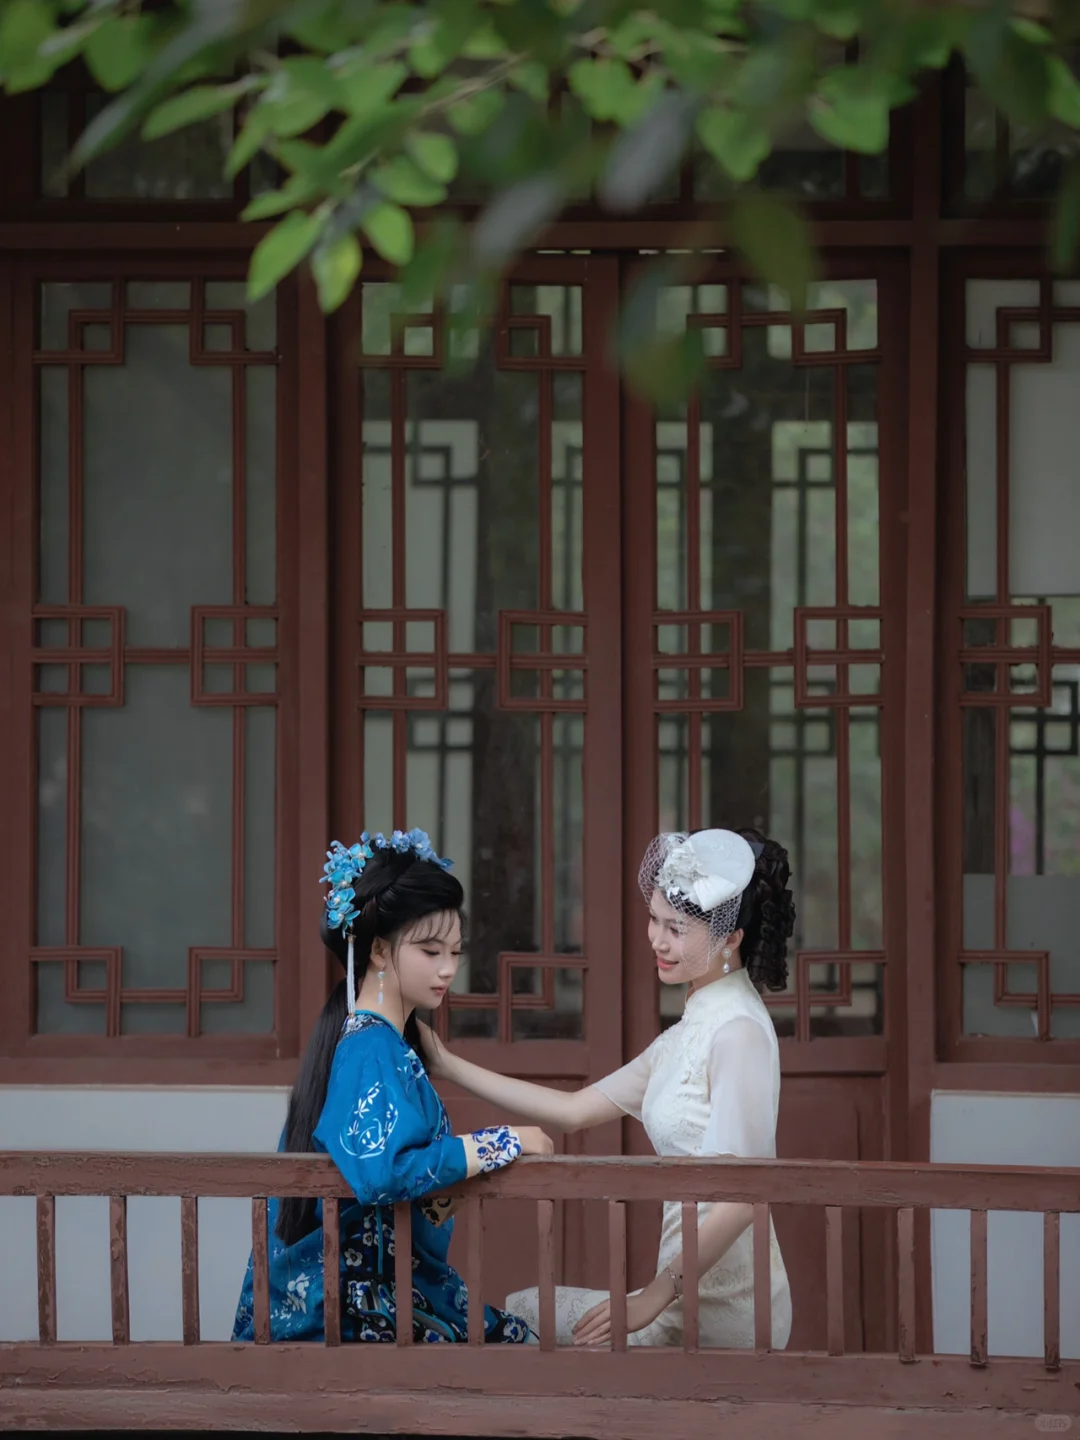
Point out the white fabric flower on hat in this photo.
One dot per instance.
(708, 869)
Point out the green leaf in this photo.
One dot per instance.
(291, 108)
(282, 250)
(605, 87)
(776, 241)
(454, 23)
(1066, 234)
(406, 184)
(474, 114)
(532, 79)
(1064, 93)
(390, 230)
(201, 102)
(432, 265)
(435, 154)
(296, 191)
(249, 142)
(118, 49)
(365, 89)
(335, 266)
(25, 26)
(736, 141)
(1012, 71)
(850, 111)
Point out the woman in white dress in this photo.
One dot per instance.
(720, 915)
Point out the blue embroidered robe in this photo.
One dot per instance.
(387, 1131)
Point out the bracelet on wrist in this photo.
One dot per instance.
(676, 1281)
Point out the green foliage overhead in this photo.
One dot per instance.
(373, 110)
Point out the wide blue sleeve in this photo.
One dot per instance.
(381, 1135)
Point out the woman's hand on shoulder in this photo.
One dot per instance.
(534, 1141)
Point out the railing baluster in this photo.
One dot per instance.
(1052, 1289)
(118, 1269)
(46, 1268)
(905, 1260)
(762, 1279)
(978, 1287)
(691, 1280)
(474, 1268)
(331, 1262)
(834, 1277)
(403, 1275)
(545, 1236)
(617, 1272)
(260, 1264)
(189, 1267)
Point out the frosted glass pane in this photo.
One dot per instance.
(1044, 435)
(159, 294)
(254, 1015)
(59, 298)
(261, 314)
(53, 495)
(52, 723)
(376, 494)
(259, 830)
(985, 297)
(261, 485)
(981, 501)
(156, 833)
(158, 485)
(189, 164)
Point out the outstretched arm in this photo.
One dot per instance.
(563, 1109)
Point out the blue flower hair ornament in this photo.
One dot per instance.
(345, 864)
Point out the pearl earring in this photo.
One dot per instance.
(726, 953)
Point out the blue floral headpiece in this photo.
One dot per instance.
(344, 866)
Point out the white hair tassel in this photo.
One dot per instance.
(350, 979)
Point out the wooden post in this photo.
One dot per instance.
(118, 1268)
(189, 1267)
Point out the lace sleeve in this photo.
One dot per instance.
(741, 1070)
(626, 1087)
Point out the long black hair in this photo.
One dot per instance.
(395, 891)
(767, 914)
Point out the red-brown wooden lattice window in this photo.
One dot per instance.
(156, 664)
(478, 638)
(1011, 676)
(768, 652)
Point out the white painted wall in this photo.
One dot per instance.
(192, 1120)
(984, 1129)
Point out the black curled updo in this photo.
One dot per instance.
(767, 914)
(396, 892)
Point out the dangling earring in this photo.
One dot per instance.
(379, 997)
(350, 979)
(726, 953)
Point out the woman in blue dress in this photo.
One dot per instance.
(362, 1096)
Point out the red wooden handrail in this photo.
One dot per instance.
(830, 1184)
(823, 1183)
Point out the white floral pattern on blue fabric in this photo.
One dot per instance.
(496, 1146)
(370, 1126)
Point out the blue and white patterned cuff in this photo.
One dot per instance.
(491, 1149)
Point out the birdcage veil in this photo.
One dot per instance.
(703, 877)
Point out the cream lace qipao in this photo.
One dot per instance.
(710, 1085)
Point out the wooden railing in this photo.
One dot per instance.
(566, 1391)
